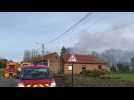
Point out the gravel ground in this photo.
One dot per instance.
(7, 82)
(80, 81)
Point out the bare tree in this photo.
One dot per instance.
(27, 55)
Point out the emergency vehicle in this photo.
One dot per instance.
(10, 70)
(36, 76)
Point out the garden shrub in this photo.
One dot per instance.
(110, 77)
(94, 73)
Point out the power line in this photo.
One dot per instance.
(91, 25)
(70, 28)
(114, 29)
(96, 21)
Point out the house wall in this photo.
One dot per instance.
(54, 63)
(78, 67)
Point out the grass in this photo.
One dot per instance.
(121, 76)
(1, 72)
(111, 80)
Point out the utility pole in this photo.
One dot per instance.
(42, 53)
(72, 60)
(72, 75)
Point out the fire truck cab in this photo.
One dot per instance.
(23, 64)
(10, 70)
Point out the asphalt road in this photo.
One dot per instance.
(13, 83)
(8, 82)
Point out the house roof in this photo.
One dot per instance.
(54, 53)
(84, 59)
(47, 56)
(35, 66)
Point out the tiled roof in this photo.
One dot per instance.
(51, 54)
(84, 58)
(48, 56)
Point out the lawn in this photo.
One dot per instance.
(1, 72)
(109, 80)
(88, 81)
(122, 76)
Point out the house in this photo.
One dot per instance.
(52, 60)
(83, 62)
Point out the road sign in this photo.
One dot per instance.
(72, 58)
(69, 67)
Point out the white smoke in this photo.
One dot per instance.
(116, 38)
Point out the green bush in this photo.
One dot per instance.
(2, 65)
(110, 77)
(94, 73)
(1, 72)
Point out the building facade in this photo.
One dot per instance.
(52, 60)
(83, 62)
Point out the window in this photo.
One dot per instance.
(69, 67)
(35, 73)
(83, 68)
(100, 67)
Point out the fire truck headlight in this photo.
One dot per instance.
(53, 84)
(20, 85)
(19, 69)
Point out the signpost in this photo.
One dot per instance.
(72, 60)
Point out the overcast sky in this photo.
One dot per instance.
(21, 30)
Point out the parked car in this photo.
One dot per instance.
(36, 76)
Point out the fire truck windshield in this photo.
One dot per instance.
(37, 73)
